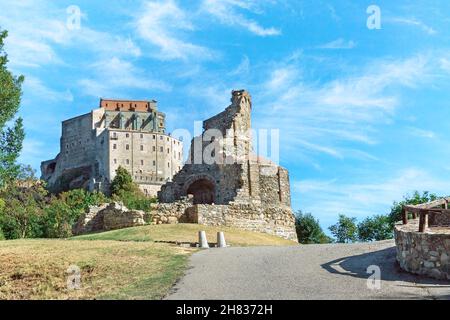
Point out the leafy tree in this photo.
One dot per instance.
(345, 230)
(308, 229)
(124, 189)
(11, 136)
(375, 228)
(396, 210)
(122, 181)
(64, 211)
(22, 215)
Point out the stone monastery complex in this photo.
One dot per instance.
(243, 190)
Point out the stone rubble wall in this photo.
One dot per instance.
(276, 220)
(424, 253)
(108, 217)
(439, 219)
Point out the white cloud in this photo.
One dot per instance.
(37, 30)
(414, 22)
(227, 12)
(36, 88)
(319, 118)
(335, 196)
(338, 44)
(421, 133)
(242, 69)
(161, 24)
(113, 75)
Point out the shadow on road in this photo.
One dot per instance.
(356, 266)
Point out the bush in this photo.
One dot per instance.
(135, 200)
(375, 228)
(308, 229)
(64, 211)
(2, 236)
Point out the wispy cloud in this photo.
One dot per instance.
(345, 109)
(162, 24)
(338, 44)
(229, 12)
(36, 88)
(114, 75)
(415, 23)
(421, 133)
(361, 199)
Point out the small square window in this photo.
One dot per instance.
(127, 147)
(142, 147)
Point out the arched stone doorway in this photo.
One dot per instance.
(203, 191)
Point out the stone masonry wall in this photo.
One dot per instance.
(425, 253)
(275, 220)
(108, 217)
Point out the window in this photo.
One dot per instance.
(154, 148)
(161, 149)
(154, 163)
(167, 139)
(127, 147)
(128, 161)
(142, 162)
(142, 147)
(142, 136)
(114, 146)
(168, 151)
(154, 137)
(179, 155)
(168, 164)
(127, 135)
(160, 137)
(115, 161)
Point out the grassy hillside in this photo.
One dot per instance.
(188, 233)
(133, 263)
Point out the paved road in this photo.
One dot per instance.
(335, 271)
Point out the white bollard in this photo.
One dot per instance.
(221, 243)
(202, 241)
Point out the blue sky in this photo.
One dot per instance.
(363, 114)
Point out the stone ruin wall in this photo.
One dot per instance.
(251, 193)
(424, 253)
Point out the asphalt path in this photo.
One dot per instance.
(329, 271)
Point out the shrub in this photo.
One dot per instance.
(64, 211)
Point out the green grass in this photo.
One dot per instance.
(132, 263)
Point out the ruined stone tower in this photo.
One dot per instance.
(225, 183)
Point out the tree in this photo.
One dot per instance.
(396, 210)
(22, 215)
(122, 181)
(345, 230)
(11, 136)
(309, 230)
(375, 228)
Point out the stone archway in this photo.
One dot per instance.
(203, 191)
